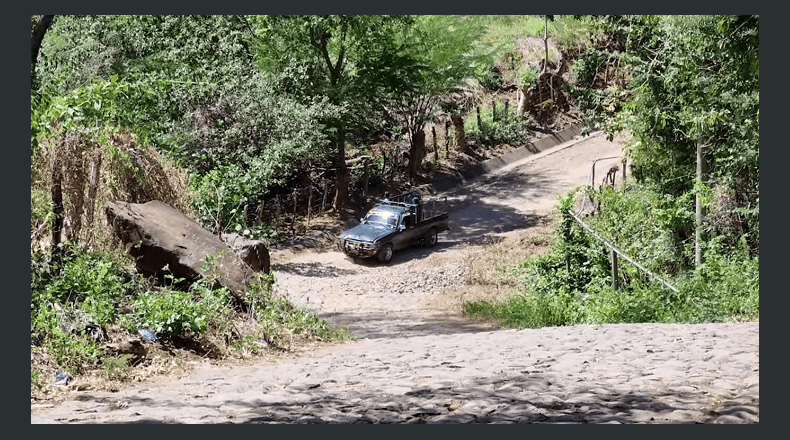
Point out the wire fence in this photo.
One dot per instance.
(615, 252)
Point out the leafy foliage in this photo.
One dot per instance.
(696, 79)
(67, 296)
(89, 289)
(511, 131)
(190, 86)
(178, 313)
(571, 284)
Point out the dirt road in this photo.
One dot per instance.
(415, 364)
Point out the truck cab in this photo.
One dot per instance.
(393, 225)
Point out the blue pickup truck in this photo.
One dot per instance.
(394, 224)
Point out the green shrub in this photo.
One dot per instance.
(276, 314)
(71, 352)
(178, 313)
(35, 380)
(572, 283)
(527, 75)
(489, 80)
(587, 66)
(573, 33)
(511, 131)
(726, 286)
(116, 367)
(91, 282)
(219, 196)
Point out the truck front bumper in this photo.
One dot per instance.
(358, 249)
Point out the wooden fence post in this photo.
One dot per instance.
(309, 204)
(366, 176)
(493, 110)
(507, 103)
(326, 192)
(625, 167)
(447, 138)
(435, 145)
(614, 270)
(479, 121)
(593, 174)
(293, 219)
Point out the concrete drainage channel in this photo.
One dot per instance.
(447, 182)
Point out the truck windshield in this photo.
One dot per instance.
(382, 218)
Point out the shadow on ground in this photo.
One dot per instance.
(312, 270)
(483, 207)
(513, 398)
(390, 325)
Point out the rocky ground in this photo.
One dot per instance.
(416, 360)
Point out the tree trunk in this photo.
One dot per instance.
(546, 42)
(523, 95)
(447, 139)
(35, 42)
(93, 186)
(341, 193)
(56, 176)
(417, 152)
(460, 136)
(435, 145)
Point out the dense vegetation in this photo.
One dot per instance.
(224, 117)
(685, 80)
(221, 117)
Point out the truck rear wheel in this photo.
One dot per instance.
(385, 254)
(431, 237)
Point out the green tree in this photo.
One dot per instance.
(696, 79)
(333, 57)
(188, 85)
(438, 55)
(42, 24)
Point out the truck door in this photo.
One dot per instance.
(403, 238)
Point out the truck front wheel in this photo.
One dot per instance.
(385, 254)
(431, 237)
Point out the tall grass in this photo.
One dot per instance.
(573, 34)
(502, 31)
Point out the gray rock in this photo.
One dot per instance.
(158, 235)
(253, 252)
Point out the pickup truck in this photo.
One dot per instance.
(394, 224)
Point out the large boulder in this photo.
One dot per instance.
(253, 252)
(158, 235)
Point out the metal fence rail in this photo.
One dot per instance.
(615, 252)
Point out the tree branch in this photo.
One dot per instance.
(38, 36)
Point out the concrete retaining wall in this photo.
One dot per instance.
(446, 182)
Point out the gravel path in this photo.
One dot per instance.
(412, 365)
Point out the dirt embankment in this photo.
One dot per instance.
(417, 361)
